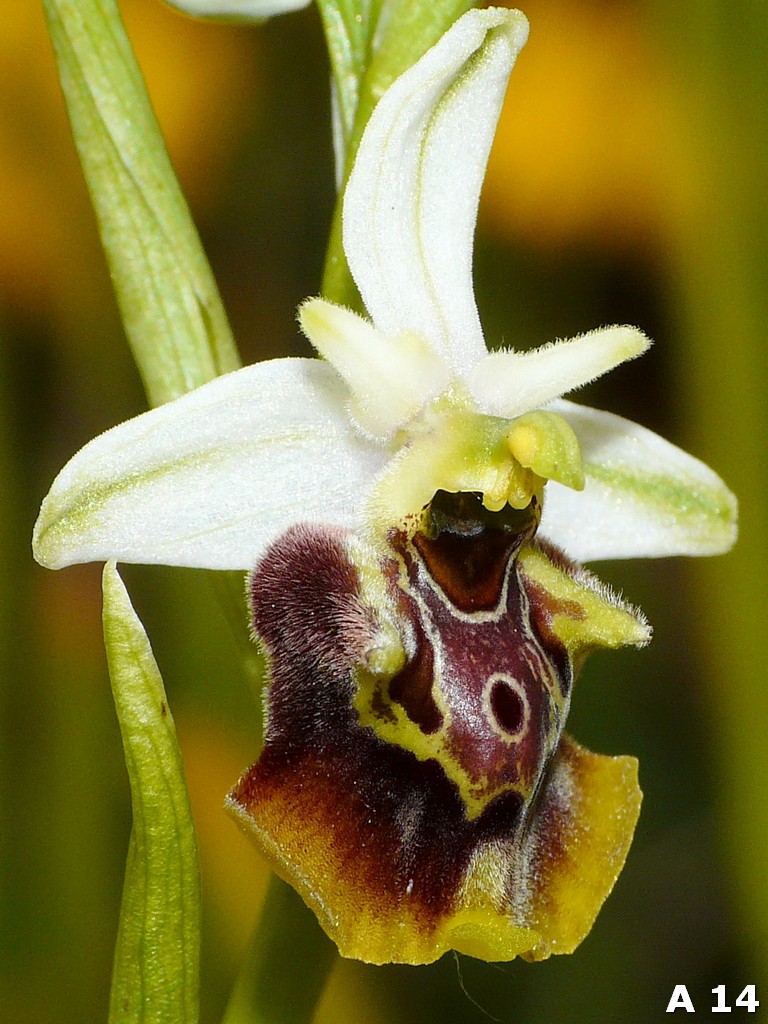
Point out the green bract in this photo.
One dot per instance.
(168, 300)
(155, 973)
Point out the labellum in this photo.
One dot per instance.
(416, 785)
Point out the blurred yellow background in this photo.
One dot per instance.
(626, 185)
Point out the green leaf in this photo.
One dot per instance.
(155, 976)
(168, 299)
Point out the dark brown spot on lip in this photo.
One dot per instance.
(412, 688)
(469, 570)
(389, 820)
(507, 707)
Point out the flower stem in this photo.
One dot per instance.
(287, 966)
(402, 31)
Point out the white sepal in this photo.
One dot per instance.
(209, 479)
(643, 496)
(411, 201)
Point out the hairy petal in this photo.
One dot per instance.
(643, 496)
(411, 200)
(390, 378)
(209, 479)
(510, 383)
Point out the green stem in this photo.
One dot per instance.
(409, 30)
(287, 966)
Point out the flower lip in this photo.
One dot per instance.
(437, 803)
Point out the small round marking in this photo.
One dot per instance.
(507, 706)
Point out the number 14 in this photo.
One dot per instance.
(747, 1000)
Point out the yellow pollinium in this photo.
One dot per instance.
(545, 444)
(452, 448)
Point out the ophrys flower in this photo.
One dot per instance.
(416, 784)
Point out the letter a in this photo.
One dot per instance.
(680, 1000)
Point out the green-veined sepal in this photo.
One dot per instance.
(208, 480)
(643, 497)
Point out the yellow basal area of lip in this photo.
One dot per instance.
(578, 844)
(451, 447)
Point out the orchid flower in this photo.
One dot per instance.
(413, 505)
